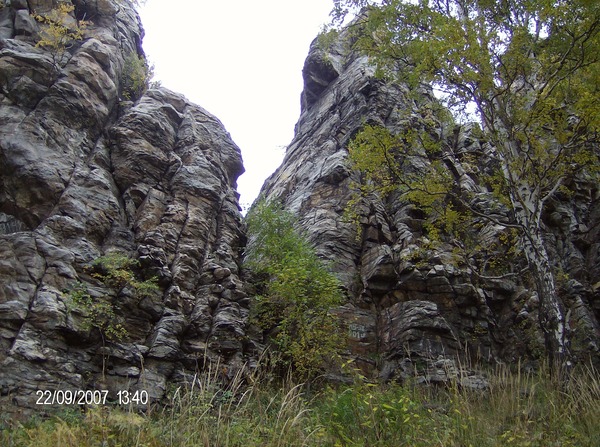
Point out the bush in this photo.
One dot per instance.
(367, 414)
(59, 32)
(114, 271)
(296, 290)
(135, 77)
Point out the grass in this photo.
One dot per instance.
(524, 410)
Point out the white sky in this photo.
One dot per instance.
(242, 61)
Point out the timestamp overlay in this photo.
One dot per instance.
(58, 397)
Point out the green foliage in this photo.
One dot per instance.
(327, 37)
(385, 158)
(372, 415)
(296, 290)
(528, 71)
(60, 31)
(98, 313)
(410, 163)
(114, 271)
(135, 77)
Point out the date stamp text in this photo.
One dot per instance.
(90, 397)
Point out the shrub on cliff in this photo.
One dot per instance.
(296, 290)
(59, 32)
(116, 272)
(135, 77)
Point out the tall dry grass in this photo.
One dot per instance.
(536, 409)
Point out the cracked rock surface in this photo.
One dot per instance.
(85, 173)
(410, 308)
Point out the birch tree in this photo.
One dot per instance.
(529, 72)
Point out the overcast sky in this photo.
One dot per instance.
(242, 61)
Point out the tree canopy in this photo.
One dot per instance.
(528, 72)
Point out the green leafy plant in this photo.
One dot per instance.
(114, 271)
(98, 313)
(521, 410)
(135, 77)
(529, 71)
(367, 414)
(296, 291)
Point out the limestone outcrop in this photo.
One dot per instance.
(86, 172)
(413, 308)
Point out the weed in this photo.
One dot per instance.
(518, 409)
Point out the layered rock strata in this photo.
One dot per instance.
(85, 173)
(412, 307)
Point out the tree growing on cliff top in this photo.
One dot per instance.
(530, 69)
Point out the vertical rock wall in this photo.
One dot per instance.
(85, 173)
(411, 308)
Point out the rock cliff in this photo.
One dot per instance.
(90, 169)
(86, 172)
(413, 308)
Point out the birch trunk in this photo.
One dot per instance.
(551, 315)
(527, 201)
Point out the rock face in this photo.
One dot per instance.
(85, 173)
(88, 172)
(411, 307)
